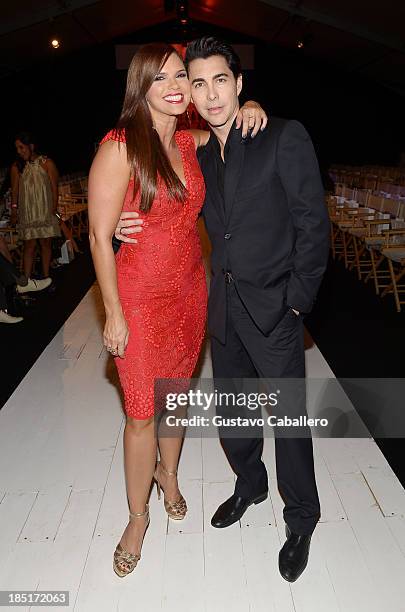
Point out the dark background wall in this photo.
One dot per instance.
(70, 102)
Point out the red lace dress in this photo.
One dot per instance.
(162, 288)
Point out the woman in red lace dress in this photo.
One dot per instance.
(154, 293)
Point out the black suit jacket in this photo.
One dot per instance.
(273, 234)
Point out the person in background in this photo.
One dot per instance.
(9, 276)
(34, 186)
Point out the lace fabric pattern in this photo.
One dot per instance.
(162, 288)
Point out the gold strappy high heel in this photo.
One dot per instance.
(175, 509)
(125, 562)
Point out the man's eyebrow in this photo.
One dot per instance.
(216, 76)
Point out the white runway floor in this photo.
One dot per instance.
(63, 506)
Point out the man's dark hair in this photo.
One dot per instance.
(207, 46)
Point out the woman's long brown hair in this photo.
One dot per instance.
(145, 152)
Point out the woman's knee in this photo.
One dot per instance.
(139, 426)
(29, 245)
(45, 243)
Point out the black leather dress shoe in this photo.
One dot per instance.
(233, 509)
(293, 557)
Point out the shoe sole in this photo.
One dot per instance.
(260, 499)
(256, 500)
(12, 322)
(176, 518)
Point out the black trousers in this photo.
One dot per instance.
(249, 354)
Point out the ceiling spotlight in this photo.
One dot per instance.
(305, 41)
(182, 11)
(55, 43)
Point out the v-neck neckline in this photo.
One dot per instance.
(183, 163)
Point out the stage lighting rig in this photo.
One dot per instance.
(182, 12)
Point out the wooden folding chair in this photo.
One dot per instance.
(352, 220)
(365, 238)
(394, 252)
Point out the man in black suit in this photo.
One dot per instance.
(268, 226)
